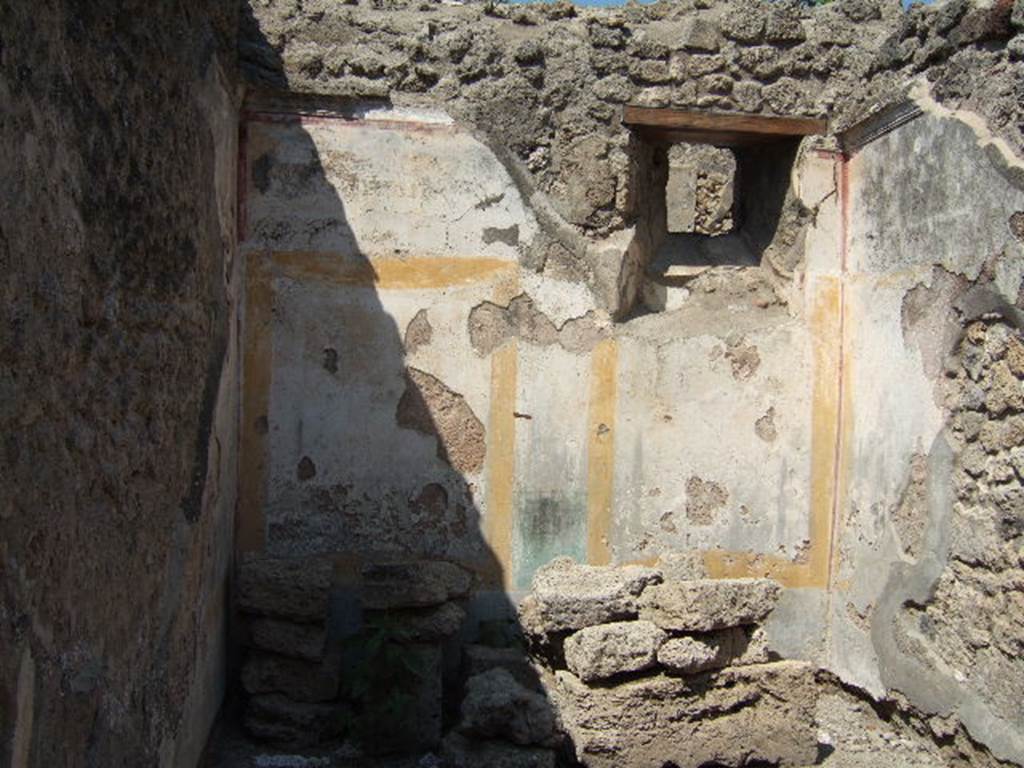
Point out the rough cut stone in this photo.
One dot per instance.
(597, 653)
(567, 596)
(302, 641)
(702, 35)
(413, 584)
(496, 706)
(689, 655)
(704, 605)
(460, 752)
(736, 646)
(743, 715)
(299, 680)
(423, 625)
(681, 566)
(483, 658)
(276, 718)
(287, 588)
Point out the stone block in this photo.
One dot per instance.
(680, 197)
(601, 652)
(682, 566)
(702, 35)
(478, 659)
(299, 680)
(301, 641)
(692, 654)
(496, 706)
(567, 596)
(416, 584)
(704, 605)
(741, 716)
(276, 718)
(286, 588)
(460, 752)
(422, 625)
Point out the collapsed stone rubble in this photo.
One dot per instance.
(645, 671)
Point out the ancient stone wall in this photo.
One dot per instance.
(463, 327)
(118, 380)
(723, 392)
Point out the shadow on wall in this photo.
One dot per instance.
(372, 603)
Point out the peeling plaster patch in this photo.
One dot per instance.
(506, 235)
(998, 150)
(418, 333)
(1017, 225)
(704, 500)
(928, 320)
(431, 501)
(490, 200)
(910, 516)
(765, 426)
(330, 360)
(744, 358)
(666, 523)
(306, 469)
(428, 406)
(491, 325)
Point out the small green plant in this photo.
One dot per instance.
(382, 687)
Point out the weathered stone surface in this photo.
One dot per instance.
(760, 713)
(276, 718)
(702, 35)
(497, 706)
(737, 646)
(460, 752)
(568, 596)
(413, 584)
(302, 641)
(424, 625)
(689, 655)
(287, 588)
(708, 604)
(597, 653)
(297, 679)
(478, 659)
(744, 23)
(682, 566)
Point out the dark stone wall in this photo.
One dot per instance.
(116, 251)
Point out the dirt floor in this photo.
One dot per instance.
(850, 732)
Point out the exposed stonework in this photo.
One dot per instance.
(289, 588)
(764, 712)
(705, 605)
(428, 406)
(118, 374)
(704, 499)
(418, 333)
(636, 695)
(567, 596)
(490, 326)
(606, 650)
(473, 206)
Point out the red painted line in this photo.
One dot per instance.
(843, 161)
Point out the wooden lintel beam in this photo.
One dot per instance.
(731, 129)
